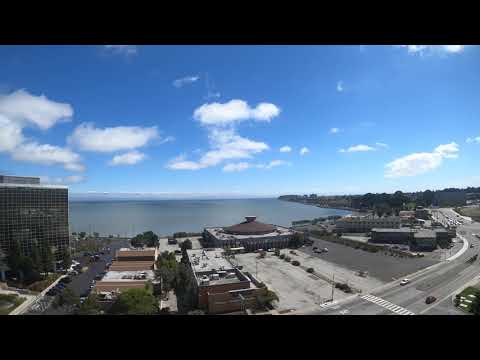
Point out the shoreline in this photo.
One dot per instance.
(352, 210)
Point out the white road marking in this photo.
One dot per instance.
(387, 305)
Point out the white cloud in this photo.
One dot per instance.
(334, 130)
(469, 140)
(274, 163)
(430, 49)
(122, 49)
(225, 145)
(340, 86)
(285, 149)
(236, 167)
(382, 145)
(178, 83)
(10, 134)
(420, 163)
(304, 151)
(48, 155)
(24, 108)
(129, 158)
(73, 179)
(358, 148)
(88, 138)
(234, 111)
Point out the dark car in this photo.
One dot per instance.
(66, 280)
(52, 292)
(98, 277)
(430, 299)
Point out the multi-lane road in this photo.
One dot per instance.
(442, 280)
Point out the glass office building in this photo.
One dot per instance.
(33, 214)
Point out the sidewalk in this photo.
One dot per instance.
(25, 306)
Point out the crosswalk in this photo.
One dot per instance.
(387, 305)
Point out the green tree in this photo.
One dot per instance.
(3, 265)
(90, 306)
(135, 302)
(475, 307)
(47, 259)
(82, 234)
(297, 240)
(266, 296)
(66, 258)
(148, 238)
(15, 259)
(185, 289)
(67, 299)
(36, 258)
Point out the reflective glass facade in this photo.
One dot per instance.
(33, 214)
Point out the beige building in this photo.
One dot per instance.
(363, 224)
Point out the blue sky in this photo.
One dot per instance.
(212, 119)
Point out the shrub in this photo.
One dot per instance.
(287, 258)
(310, 270)
(282, 256)
(295, 263)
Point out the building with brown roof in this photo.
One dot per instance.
(250, 234)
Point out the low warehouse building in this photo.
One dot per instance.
(392, 236)
(363, 224)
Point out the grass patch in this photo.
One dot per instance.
(8, 302)
(473, 212)
(467, 306)
(41, 285)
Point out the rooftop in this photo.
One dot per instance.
(131, 265)
(425, 234)
(250, 227)
(208, 260)
(127, 276)
(400, 230)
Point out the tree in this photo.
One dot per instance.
(135, 302)
(90, 306)
(82, 234)
(36, 258)
(67, 298)
(3, 264)
(186, 245)
(15, 259)
(297, 240)
(475, 307)
(266, 296)
(185, 289)
(66, 258)
(148, 238)
(47, 259)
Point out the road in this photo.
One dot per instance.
(441, 280)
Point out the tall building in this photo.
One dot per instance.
(32, 214)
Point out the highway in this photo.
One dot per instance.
(441, 280)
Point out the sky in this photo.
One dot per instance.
(241, 120)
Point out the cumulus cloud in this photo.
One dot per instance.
(178, 83)
(88, 138)
(233, 167)
(469, 140)
(73, 179)
(304, 151)
(122, 49)
(10, 134)
(129, 158)
(48, 155)
(420, 163)
(334, 130)
(340, 86)
(431, 49)
(225, 145)
(285, 149)
(234, 111)
(24, 109)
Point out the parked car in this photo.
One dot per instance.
(66, 280)
(430, 299)
(98, 277)
(404, 282)
(52, 292)
(325, 250)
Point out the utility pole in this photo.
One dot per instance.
(333, 285)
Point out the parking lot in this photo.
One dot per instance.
(379, 266)
(80, 284)
(295, 287)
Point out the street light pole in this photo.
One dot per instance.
(333, 285)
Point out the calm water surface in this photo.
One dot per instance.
(167, 216)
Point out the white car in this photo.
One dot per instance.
(404, 282)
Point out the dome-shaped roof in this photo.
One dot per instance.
(250, 227)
